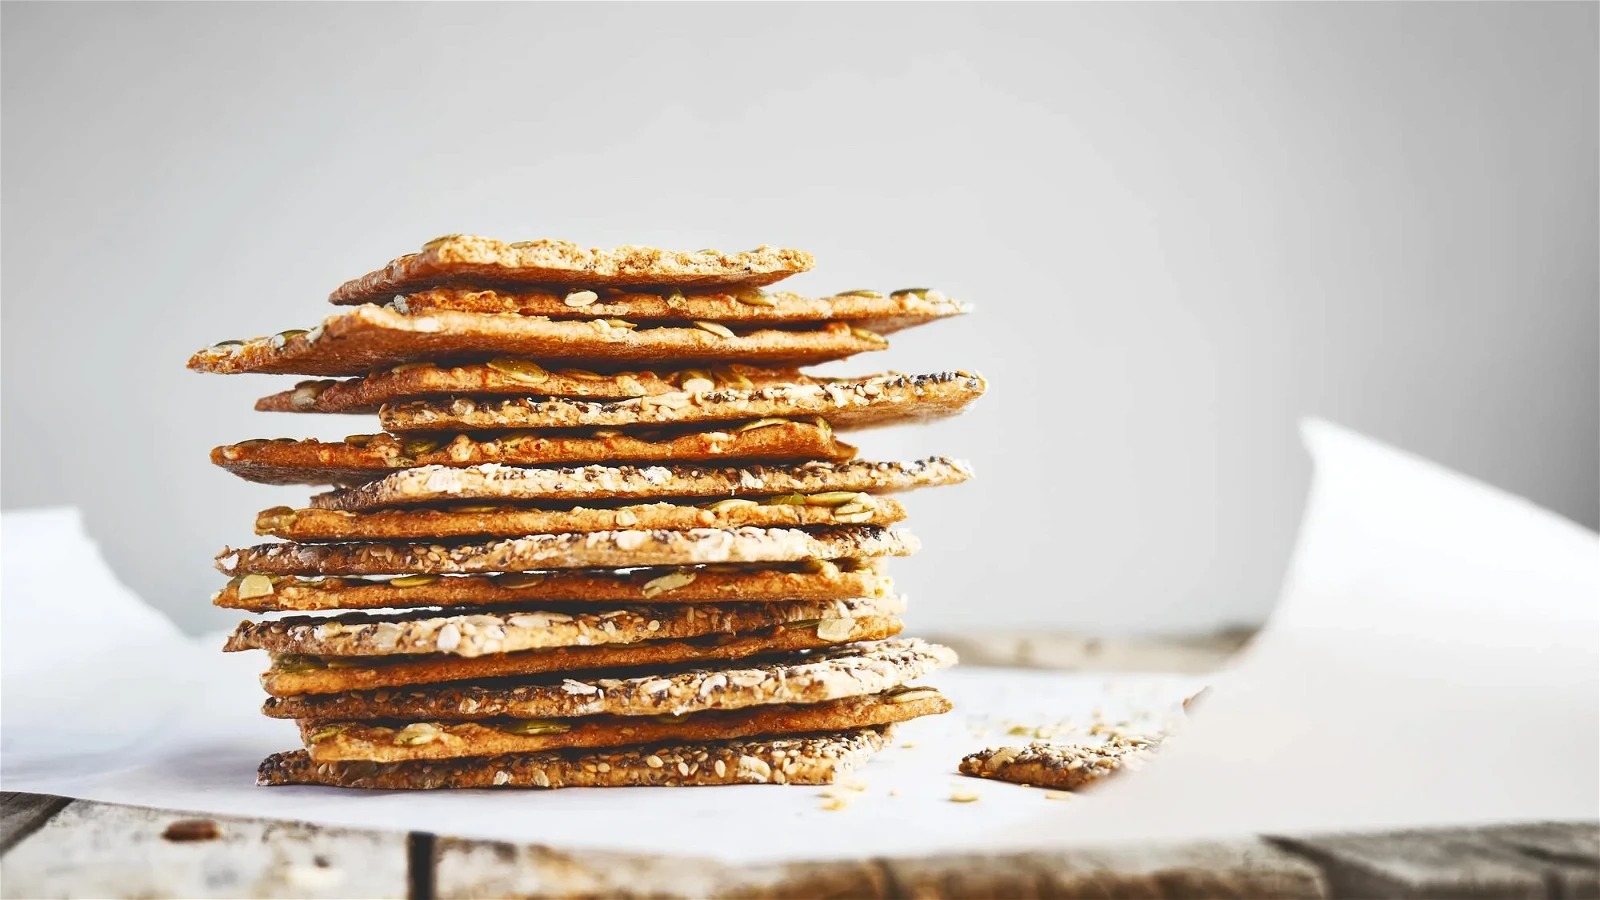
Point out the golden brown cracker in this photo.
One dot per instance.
(1061, 766)
(482, 632)
(464, 259)
(466, 521)
(716, 583)
(509, 376)
(806, 759)
(815, 676)
(397, 741)
(368, 338)
(287, 461)
(597, 550)
(294, 674)
(871, 309)
(474, 484)
(845, 404)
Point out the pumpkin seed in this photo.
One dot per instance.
(418, 580)
(359, 440)
(733, 378)
(910, 694)
(786, 500)
(418, 733)
(296, 662)
(671, 581)
(228, 344)
(716, 328)
(442, 240)
(418, 446)
(533, 726)
(867, 335)
(696, 381)
(515, 580)
(915, 292)
(870, 295)
(731, 503)
(761, 423)
(583, 375)
(836, 629)
(326, 733)
(521, 371)
(755, 297)
(833, 498)
(252, 586)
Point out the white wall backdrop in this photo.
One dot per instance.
(1185, 226)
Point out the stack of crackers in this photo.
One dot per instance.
(607, 535)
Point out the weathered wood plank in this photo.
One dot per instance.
(1246, 868)
(1535, 861)
(102, 850)
(21, 814)
(473, 869)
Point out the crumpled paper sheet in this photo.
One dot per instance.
(1433, 660)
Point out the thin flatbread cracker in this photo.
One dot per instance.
(368, 338)
(296, 674)
(288, 461)
(482, 632)
(863, 403)
(396, 742)
(852, 670)
(597, 550)
(462, 521)
(464, 259)
(1061, 766)
(509, 376)
(807, 759)
(883, 314)
(718, 583)
(488, 483)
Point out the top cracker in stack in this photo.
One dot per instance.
(607, 536)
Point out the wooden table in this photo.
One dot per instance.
(53, 847)
(73, 848)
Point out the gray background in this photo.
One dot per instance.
(1185, 226)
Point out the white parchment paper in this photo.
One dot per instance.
(1433, 660)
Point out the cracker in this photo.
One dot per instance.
(294, 674)
(813, 677)
(464, 521)
(508, 376)
(463, 259)
(439, 484)
(368, 338)
(1060, 766)
(471, 634)
(844, 404)
(398, 741)
(717, 583)
(883, 314)
(287, 461)
(808, 759)
(600, 549)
